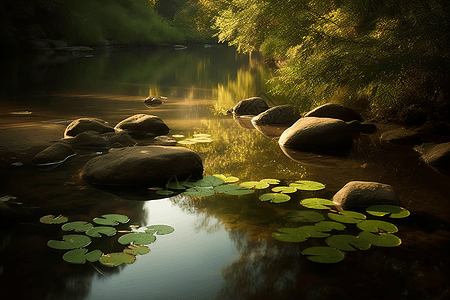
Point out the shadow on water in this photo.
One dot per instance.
(222, 246)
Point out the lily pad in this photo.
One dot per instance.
(317, 203)
(187, 142)
(290, 235)
(175, 186)
(347, 242)
(111, 219)
(393, 211)
(304, 216)
(116, 259)
(308, 185)
(69, 242)
(270, 181)
(377, 226)
(199, 192)
(139, 238)
(331, 225)
(136, 250)
(161, 229)
(323, 254)
(284, 189)
(207, 181)
(275, 197)
(165, 192)
(106, 230)
(80, 256)
(381, 240)
(254, 185)
(77, 226)
(315, 231)
(229, 179)
(347, 216)
(234, 190)
(51, 219)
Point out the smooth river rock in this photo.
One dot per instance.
(143, 166)
(250, 106)
(87, 124)
(143, 126)
(278, 115)
(336, 111)
(55, 154)
(437, 156)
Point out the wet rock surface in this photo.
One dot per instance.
(278, 115)
(87, 124)
(336, 111)
(251, 106)
(143, 126)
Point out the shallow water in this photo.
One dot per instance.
(222, 246)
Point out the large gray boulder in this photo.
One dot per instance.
(87, 124)
(143, 166)
(336, 111)
(278, 115)
(55, 154)
(362, 194)
(251, 106)
(318, 135)
(437, 156)
(143, 126)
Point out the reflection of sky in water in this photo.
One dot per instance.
(176, 267)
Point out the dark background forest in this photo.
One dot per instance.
(392, 56)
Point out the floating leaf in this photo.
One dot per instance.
(317, 203)
(315, 231)
(275, 197)
(207, 181)
(284, 189)
(290, 235)
(270, 181)
(187, 142)
(377, 226)
(165, 192)
(331, 225)
(226, 179)
(308, 185)
(347, 242)
(111, 219)
(175, 186)
(177, 136)
(77, 226)
(323, 254)
(202, 140)
(255, 184)
(346, 216)
(136, 250)
(234, 190)
(381, 240)
(392, 210)
(156, 188)
(117, 258)
(51, 219)
(139, 238)
(199, 192)
(106, 230)
(80, 256)
(304, 216)
(161, 229)
(201, 135)
(69, 242)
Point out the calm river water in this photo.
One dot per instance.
(222, 246)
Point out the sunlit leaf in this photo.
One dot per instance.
(347, 242)
(315, 231)
(80, 256)
(187, 142)
(208, 181)
(199, 192)
(116, 259)
(270, 181)
(317, 203)
(230, 179)
(77, 226)
(254, 185)
(106, 230)
(177, 136)
(161, 229)
(346, 216)
(381, 240)
(304, 216)
(234, 190)
(136, 250)
(51, 219)
(392, 210)
(323, 254)
(377, 226)
(308, 185)
(284, 189)
(111, 219)
(138, 238)
(275, 197)
(69, 242)
(290, 235)
(331, 225)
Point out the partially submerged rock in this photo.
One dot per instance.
(154, 100)
(436, 156)
(87, 124)
(357, 126)
(251, 106)
(143, 166)
(143, 126)
(362, 194)
(55, 154)
(278, 115)
(336, 111)
(402, 136)
(318, 135)
(88, 140)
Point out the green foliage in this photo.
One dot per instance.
(106, 230)
(350, 217)
(71, 241)
(116, 259)
(275, 197)
(80, 256)
(393, 211)
(78, 226)
(317, 203)
(137, 238)
(347, 242)
(323, 254)
(111, 219)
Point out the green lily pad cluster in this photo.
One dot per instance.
(378, 233)
(136, 239)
